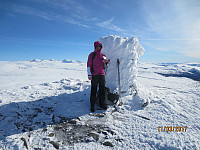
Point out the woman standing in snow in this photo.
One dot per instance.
(95, 69)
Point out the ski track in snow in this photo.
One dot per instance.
(46, 114)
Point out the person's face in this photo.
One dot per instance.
(98, 47)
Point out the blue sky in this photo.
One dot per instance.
(169, 30)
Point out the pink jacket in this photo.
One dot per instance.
(97, 63)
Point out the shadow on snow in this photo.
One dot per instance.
(16, 118)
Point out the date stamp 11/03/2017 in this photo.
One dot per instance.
(172, 129)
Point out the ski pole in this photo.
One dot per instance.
(120, 101)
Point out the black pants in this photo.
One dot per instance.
(97, 80)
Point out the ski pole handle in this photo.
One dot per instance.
(118, 61)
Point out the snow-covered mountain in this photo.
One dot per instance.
(45, 105)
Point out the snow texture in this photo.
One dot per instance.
(51, 111)
(128, 51)
(44, 104)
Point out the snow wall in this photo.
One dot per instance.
(128, 51)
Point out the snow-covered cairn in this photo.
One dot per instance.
(128, 50)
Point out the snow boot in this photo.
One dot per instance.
(92, 109)
(103, 107)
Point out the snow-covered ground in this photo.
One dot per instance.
(45, 105)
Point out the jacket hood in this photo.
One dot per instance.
(97, 43)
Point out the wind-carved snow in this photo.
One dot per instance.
(54, 111)
(128, 51)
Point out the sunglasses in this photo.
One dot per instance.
(98, 46)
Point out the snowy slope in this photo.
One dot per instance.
(39, 71)
(45, 105)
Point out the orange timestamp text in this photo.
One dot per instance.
(172, 129)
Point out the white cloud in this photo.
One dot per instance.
(67, 11)
(176, 21)
(168, 24)
(73, 21)
(52, 15)
(108, 24)
(20, 41)
(192, 48)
